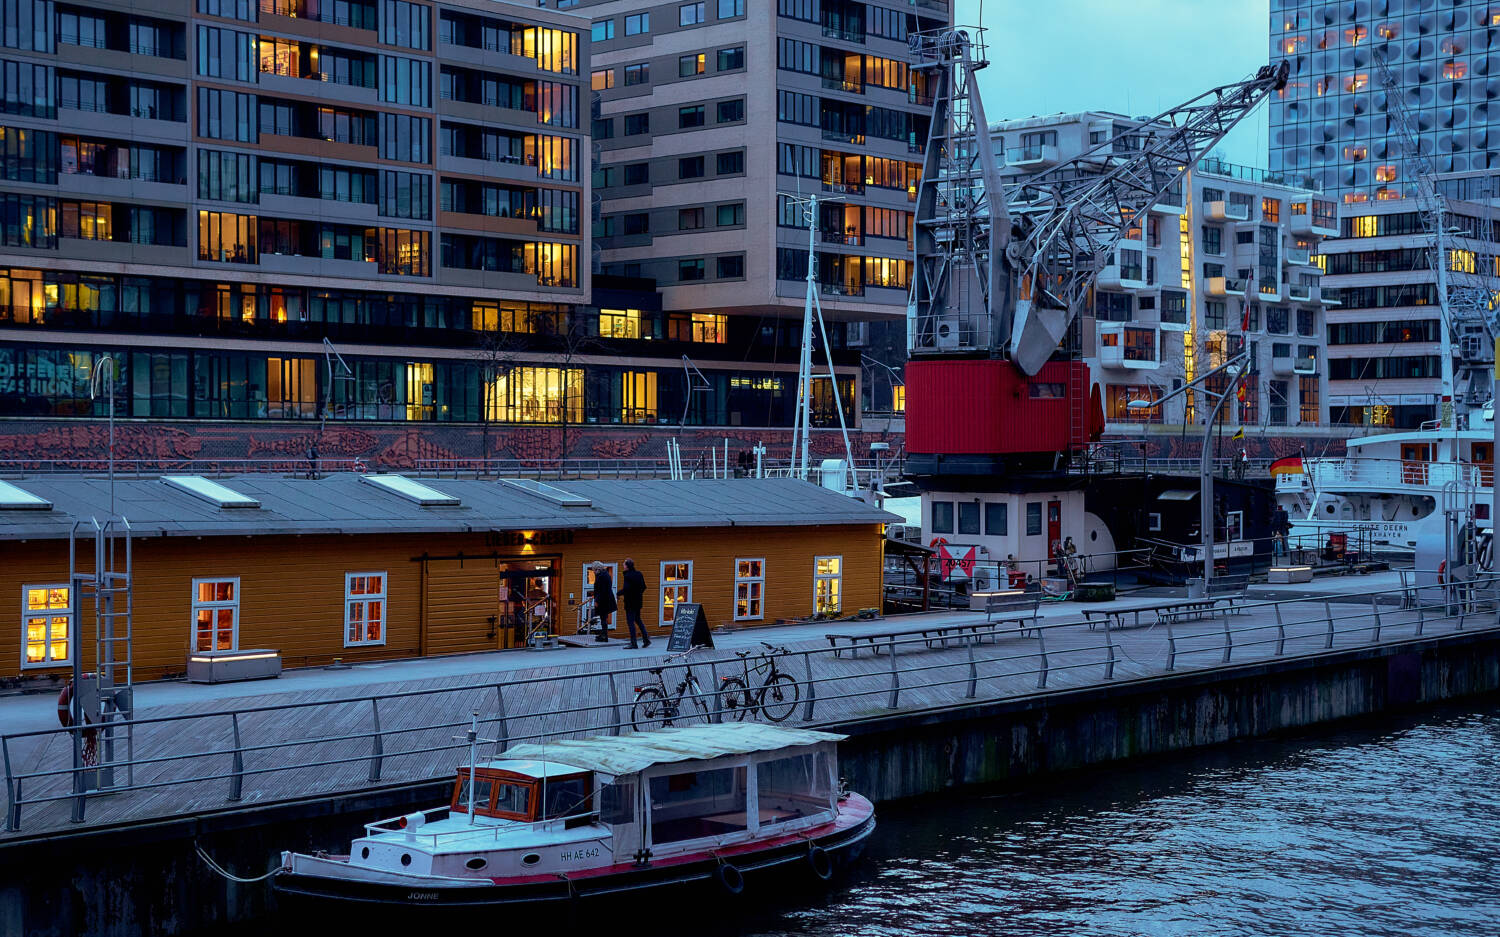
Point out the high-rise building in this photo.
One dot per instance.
(713, 117)
(1331, 122)
(1223, 264)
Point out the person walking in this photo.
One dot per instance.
(604, 600)
(632, 592)
(1281, 525)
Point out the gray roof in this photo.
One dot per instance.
(627, 754)
(341, 504)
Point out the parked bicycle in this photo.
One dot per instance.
(777, 695)
(655, 706)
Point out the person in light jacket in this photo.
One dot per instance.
(632, 592)
(604, 599)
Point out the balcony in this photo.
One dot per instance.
(1131, 347)
(1304, 223)
(1305, 365)
(841, 238)
(1040, 156)
(848, 85)
(843, 289)
(1225, 211)
(844, 188)
(853, 137)
(1225, 286)
(839, 32)
(1170, 204)
(1297, 257)
(1326, 295)
(1127, 276)
(1299, 292)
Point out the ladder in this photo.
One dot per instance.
(110, 700)
(1078, 403)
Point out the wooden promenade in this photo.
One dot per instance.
(201, 757)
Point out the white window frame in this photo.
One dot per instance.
(350, 599)
(587, 578)
(213, 604)
(1234, 520)
(755, 584)
(819, 578)
(49, 614)
(661, 603)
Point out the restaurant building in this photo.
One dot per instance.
(370, 567)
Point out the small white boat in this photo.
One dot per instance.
(702, 805)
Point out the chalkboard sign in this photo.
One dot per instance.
(689, 628)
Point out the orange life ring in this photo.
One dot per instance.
(65, 705)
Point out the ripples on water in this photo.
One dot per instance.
(1387, 832)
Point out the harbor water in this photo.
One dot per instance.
(1385, 829)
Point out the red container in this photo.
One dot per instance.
(991, 407)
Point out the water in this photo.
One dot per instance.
(1378, 831)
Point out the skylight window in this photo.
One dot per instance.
(550, 492)
(220, 496)
(19, 499)
(411, 490)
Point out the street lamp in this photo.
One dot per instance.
(1231, 369)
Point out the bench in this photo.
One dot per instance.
(933, 634)
(1177, 610)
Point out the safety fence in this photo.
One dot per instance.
(190, 761)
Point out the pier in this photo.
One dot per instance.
(311, 755)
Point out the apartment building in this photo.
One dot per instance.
(1331, 122)
(1386, 342)
(715, 121)
(1225, 263)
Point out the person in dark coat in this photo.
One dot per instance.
(632, 591)
(604, 599)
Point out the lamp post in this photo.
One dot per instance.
(1205, 464)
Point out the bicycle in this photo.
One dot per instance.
(776, 697)
(654, 705)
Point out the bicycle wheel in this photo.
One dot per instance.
(651, 709)
(735, 698)
(778, 697)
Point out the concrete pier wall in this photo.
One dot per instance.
(148, 879)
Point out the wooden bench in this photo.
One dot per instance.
(932, 634)
(1177, 610)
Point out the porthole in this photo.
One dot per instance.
(476, 864)
(530, 858)
(364, 853)
(1093, 535)
(406, 858)
(1330, 509)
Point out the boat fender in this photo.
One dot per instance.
(730, 878)
(822, 865)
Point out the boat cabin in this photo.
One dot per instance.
(576, 805)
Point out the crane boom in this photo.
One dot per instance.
(1010, 283)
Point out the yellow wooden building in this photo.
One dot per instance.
(364, 567)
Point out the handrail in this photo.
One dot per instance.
(1420, 608)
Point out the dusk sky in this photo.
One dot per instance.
(1135, 57)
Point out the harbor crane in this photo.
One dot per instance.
(1000, 278)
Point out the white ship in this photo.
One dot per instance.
(1392, 489)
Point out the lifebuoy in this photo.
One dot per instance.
(1442, 572)
(822, 865)
(730, 878)
(65, 704)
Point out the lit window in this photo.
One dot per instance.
(619, 323)
(1359, 81)
(1355, 197)
(1356, 35)
(216, 614)
(1455, 70)
(1356, 153)
(364, 608)
(603, 79)
(749, 589)
(536, 395)
(638, 397)
(1385, 173)
(676, 586)
(690, 65)
(1383, 194)
(46, 624)
(828, 584)
(1387, 31)
(898, 398)
(1364, 226)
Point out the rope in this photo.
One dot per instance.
(233, 878)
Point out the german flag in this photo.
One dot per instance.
(1291, 465)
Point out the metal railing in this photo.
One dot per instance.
(244, 749)
(1389, 474)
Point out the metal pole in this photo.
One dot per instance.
(1206, 492)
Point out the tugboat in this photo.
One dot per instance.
(704, 806)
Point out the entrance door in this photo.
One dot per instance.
(1054, 529)
(528, 599)
(586, 601)
(1414, 459)
(1483, 455)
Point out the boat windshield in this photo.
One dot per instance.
(495, 796)
(513, 800)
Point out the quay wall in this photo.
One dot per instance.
(148, 878)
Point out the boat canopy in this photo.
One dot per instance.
(629, 754)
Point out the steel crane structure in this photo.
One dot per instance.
(999, 282)
(1466, 288)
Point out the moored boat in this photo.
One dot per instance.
(702, 806)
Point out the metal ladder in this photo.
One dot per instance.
(111, 699)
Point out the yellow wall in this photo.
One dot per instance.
(292, 588)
